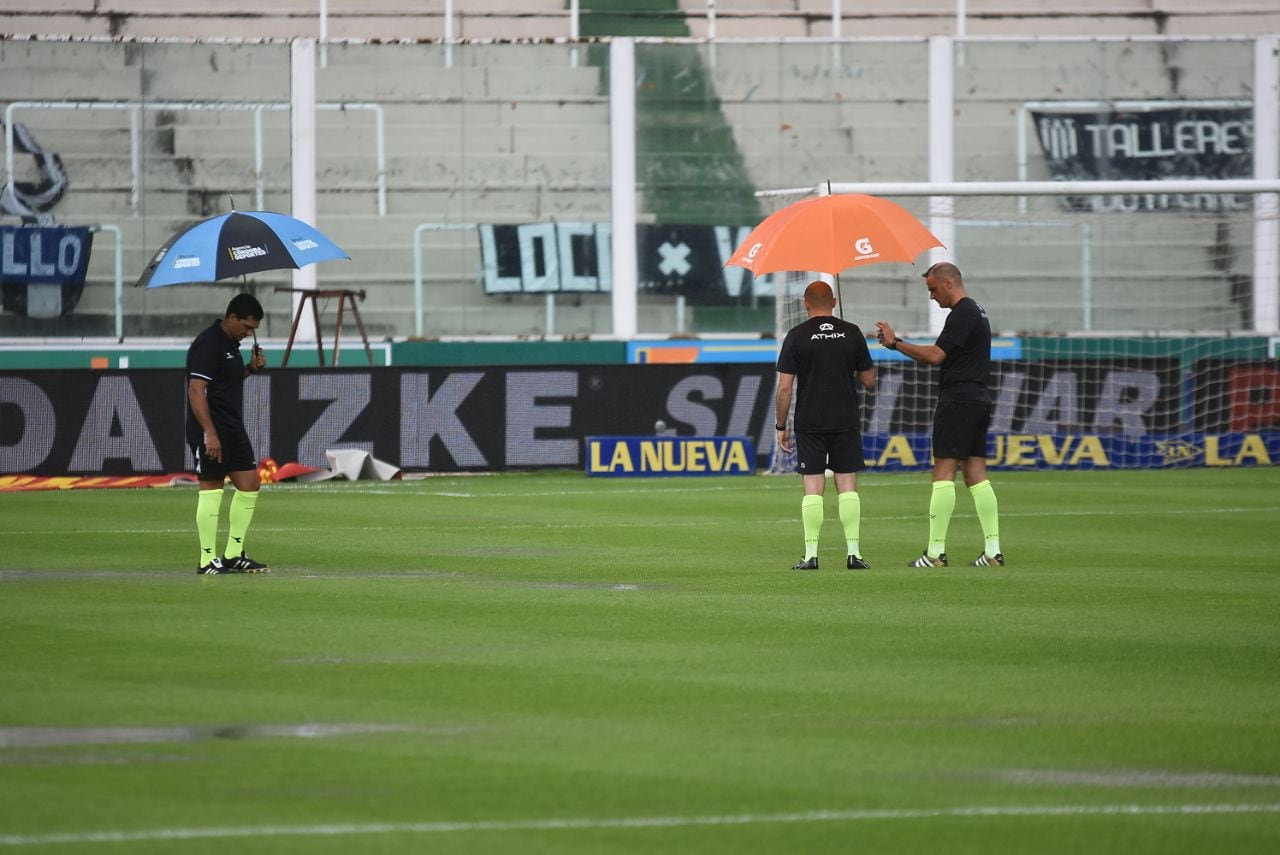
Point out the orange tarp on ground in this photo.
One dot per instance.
(15, 483)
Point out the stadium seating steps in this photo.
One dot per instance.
(524, 147)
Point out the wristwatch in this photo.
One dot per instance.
(781, 427)
(893, 345)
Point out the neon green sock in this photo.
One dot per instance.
(984, 502)
(941, 503)
(208, 506)
(851, 519)
(242, 505)
(811, 515)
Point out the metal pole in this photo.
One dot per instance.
(302, 116)
(135, 159)
(324, 33)
(380, 136)
(941, 155)
(257, 159)
(711, 33)
(622, 146)
(1266, 165)
(417, 279)
(837, 30)
(119, 276)
(1086, 275)
(418, 298)
(448, 33)
(575, 31)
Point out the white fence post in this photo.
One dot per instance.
(622, 146)
(1266, 166)
(302, 121)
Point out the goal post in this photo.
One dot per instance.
(1139, 318)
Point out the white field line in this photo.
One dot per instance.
(436, 524)
(641, 822)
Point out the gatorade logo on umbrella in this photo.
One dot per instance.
(751, 254)
(865, 249)
(240, 253)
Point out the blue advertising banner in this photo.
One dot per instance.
(651, 351)
(650, 456)
(895, 452)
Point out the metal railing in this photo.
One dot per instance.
(135, 109)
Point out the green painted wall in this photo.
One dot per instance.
(454, 353)
(510, 353)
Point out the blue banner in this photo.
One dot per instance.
(44, 255)
(42, 269)
(889, 452)
(651, 456)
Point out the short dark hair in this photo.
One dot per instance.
(944, 268)
(244, 306)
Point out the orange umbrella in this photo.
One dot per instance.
(829, 234)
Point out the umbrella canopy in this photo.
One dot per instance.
(237, 244)
(829, 234)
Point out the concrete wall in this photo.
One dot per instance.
(424, 19)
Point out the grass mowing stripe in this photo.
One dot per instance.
(1127, 656)
(436, 523)
(641, 822)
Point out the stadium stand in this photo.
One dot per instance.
(471, 135)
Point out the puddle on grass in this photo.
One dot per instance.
(47, 737)
(977, 722)
(115, 575)
(20, 758)
(1133, 778)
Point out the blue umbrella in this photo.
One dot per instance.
(237, 244)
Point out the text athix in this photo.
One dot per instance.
(823, 335)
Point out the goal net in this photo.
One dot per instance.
(1131, 329)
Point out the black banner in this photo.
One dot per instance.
(1133, 397)
(686, 260)
(1149, 145)
(440, 419)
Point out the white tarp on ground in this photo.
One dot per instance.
(353, 465)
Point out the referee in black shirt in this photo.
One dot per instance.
(821, 358)
(217, 436)
(962, 416)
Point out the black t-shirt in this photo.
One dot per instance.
(966, 339)
(214, 357)
(825, 354)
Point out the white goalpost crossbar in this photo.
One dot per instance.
(1266, 213)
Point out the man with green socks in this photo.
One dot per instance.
(962, 416)
(217, 435)
(821, 358)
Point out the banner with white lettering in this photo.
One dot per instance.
(685, 260)
(42, 268)
(436, 419)
(1176, 142)
(1063, 413)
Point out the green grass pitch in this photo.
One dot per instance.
(534, 663)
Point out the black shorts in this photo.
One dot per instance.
(839, 451)
(237, 456)
(960, 429)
